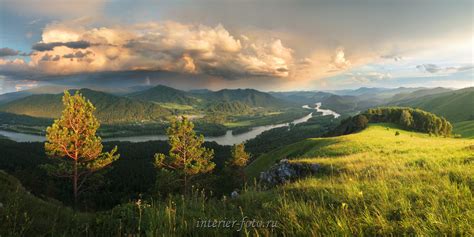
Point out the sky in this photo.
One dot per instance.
(270, 45)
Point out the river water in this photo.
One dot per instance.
(227, 139)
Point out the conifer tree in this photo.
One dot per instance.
(187, 157)
(73, 143)
(239, 160)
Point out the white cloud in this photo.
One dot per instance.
(68, 48)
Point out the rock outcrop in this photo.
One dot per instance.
(284, 172)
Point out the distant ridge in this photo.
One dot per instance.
(110, 108)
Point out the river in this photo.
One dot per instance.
(227, 139)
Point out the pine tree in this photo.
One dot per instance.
(239, 159)
(187, 157)
(73, 143)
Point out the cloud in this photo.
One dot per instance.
(394, 57)
(67, 48)
(433, 68)
(368, 77)
(5, 52)
(50, 46)
(54, 8)
(78, 54)
(48, 57)
(339, 60)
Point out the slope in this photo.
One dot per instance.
(455, 105)
(22, 214)
(250, 97)
(110, 108)
(464, 128)
(377, 183)
(164, 94)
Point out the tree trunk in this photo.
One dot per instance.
(185, 184)
(75, 183)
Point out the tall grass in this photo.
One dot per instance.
(370, 183)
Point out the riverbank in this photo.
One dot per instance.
(229, 138)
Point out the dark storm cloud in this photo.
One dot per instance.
(72, 44)
(48, 57)
(78, 54)
(5, 52)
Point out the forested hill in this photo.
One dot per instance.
(251, 97)
(204, 98)
(455, 105)
(407, 118)
(164, 94)
(109, 108)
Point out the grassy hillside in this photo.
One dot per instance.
(22, 214)
(370, 183)
(455, 105)
(374, 182)
(465, 129)
(110, 108)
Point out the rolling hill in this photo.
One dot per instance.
(164, 94)
(376, 183)
(250, 97)
(302, 97)
(418, 93)
(226, 107)
(110, 108)
(455, 105)
(464, 128)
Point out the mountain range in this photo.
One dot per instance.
(146, 104)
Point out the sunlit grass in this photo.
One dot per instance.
(176, 106)
(369, 183)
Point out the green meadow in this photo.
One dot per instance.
(370, 183)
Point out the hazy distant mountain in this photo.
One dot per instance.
(7, 97)
(455, 105)
(419, 93)
(302, 97)
(165, 94)
(110, 108)
(200, 91)
(359, 91)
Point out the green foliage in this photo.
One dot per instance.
(235, 166)
(72, 141)
(370, 184)
(465, 129)
(22, 214)
(409, 118)
(187, 157)
(239, 156)
(235, 107)
(164, 94)
(455, 105)
(414, 119)
(350, 125)
(110, 108)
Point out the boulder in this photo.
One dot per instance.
(284, 172)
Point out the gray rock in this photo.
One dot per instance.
(284, 172)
